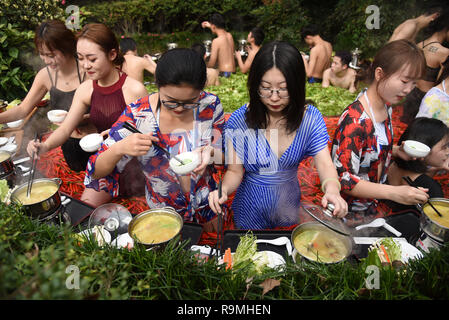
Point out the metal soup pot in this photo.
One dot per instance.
(312, 226)
(45, 207)
(139, 222)
(431, 227)
(6, 166)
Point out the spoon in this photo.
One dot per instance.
(281, 241)
(379, 222)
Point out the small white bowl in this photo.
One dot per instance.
(416, 149)
(101, 235)
(56, 116)
(15, 124)
(11, 148)
(3, 141)
(91, 142)
(180, 169)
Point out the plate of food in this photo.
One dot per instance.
(388, 251)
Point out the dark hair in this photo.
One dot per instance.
(181, 66)
(393, 56)
(217, 20)
(127, 44)
(344, 56)
(258, 35)
(444, 73)
(429, 131)
(286, 58)
(104, 37)
(55, 36)
(200, 49)
(441, 22)
(310, 30)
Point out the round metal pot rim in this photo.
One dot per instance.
(426, 224)
(166, 210)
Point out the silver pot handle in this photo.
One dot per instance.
(58, 181)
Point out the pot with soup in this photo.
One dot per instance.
(155, 226)
(316, 242)
(6, 164)
(44, 198)
(432, 224)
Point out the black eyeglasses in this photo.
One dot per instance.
(267, 92)
(175, 104)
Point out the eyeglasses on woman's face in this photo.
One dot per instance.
(265, 92)
(175, 104)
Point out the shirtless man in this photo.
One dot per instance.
(255, 39)
(134, 66)
(222, 50)
(410, 28)
(212, 74)
(320, 54)
(339, 74)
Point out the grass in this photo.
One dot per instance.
(35, 258)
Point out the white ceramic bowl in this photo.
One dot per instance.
(15, 124)
(101, 235)
(416, 149)
(56, 116)
(11, 148)
(188, 167)
(91, 142)
(3, 141)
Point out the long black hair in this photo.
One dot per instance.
(429, 131)
(181, 66)
(286, 58)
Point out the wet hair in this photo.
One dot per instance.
(310, 30)
(199, 48)
(127, 44)
(217, 20)
(258, 35)
(103, 36)
(181, 66)
(396, 55)
(441, 22)
(55, 36)
(429, 131)
(344, 56)
(286, 58)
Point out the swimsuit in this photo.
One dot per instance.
(314, 80)
(225, 74)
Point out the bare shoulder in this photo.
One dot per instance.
(84, 91)
(327, 73)
(133, 90)
(42, 79)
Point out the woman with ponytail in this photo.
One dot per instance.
(104, 96)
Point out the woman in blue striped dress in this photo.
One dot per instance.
(267, 139)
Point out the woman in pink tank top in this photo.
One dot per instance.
(104, 96)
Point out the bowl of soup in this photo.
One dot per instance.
(15, 124)
(92, 142)
(44, 198)
(316, 242)
(155, 226)
(56, 116)
(416, 149)
(190, 160)
(432, 224)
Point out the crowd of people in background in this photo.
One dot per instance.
(99, 81)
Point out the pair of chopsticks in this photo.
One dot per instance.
(33, 167)
(133, 129)
(410, 183)
(220, 221)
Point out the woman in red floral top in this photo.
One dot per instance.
(362, 148)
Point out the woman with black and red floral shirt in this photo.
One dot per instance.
(362, 148)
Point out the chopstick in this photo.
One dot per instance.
(220, 221)
(133, 129)
(410, 182)
(33, 169)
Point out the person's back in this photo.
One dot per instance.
(222, 50)
(320, 54)
(135, 66)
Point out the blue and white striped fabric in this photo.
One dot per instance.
(269, 195)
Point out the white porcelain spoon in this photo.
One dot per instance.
(379, 222)
(281, 241)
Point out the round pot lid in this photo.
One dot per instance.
(113, 217)
(325, 217)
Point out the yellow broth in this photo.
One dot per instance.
(39, 192)
(156, 228)
(4, 156)
(320, 245)
(442, 208)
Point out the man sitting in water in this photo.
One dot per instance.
(320, 54)
(339, 74)
(222, 49)
(410, 28)
(135, 66)
(212, 74)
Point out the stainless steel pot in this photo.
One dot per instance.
(432, 228)
(167, 211)
(347, 240)
(44, 208)
(6, 166)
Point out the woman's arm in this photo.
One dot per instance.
(34, 96)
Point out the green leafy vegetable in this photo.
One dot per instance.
(246, 249)
(4, 189)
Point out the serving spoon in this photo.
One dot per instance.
(281, 241)
(379, 222)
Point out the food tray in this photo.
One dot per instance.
(77, 210)
(231, 239)
(28, 117)
(191, 231)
